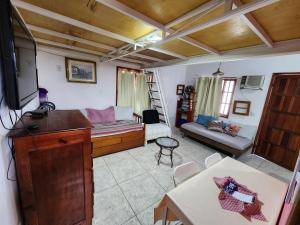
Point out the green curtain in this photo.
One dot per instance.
(208, 96)
(133, 91)
(126, 91)
(141, 94)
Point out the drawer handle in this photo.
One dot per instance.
(61, 140)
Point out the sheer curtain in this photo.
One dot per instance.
(141, 94)
(133, 91)
(208, 96)
(126, 91)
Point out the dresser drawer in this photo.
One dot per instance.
(58, 139)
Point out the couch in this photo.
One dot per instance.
(234, 145)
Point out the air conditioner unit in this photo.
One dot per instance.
(252, 82)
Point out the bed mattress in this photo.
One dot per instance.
(117, 127)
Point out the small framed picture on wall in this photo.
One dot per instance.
(81, 71)
(180, 89)
(241, 108)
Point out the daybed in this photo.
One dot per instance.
(124, 133)
(234, 145)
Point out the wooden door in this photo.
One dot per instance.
(278, 136)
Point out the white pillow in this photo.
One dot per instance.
(123, 113)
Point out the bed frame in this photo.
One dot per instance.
(118, 142)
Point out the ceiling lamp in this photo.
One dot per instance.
(218, 73)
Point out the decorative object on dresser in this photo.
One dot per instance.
(81, 71)
(184, 111)
(180, 89)
(54, 169)
(241, 108)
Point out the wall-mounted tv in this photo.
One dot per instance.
(18, 58)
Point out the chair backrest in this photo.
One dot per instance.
(212, 159)
(150, 116)
(185, 171)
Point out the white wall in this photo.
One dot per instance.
(171, 76)
(67, 95)
(262, 66)
(9, 203)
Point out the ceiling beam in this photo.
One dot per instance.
(83, 41)
(254, 5)
(255, 26)
(69, 20)
(137, 15)
(57, 44)
(202, 8)
(280, 48)
(72, 47)
(167, 52)
(69, 37)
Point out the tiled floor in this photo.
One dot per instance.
(129, 184)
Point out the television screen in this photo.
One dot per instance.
(18, 59)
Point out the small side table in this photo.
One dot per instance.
(166, 143)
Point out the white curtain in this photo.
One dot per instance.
(208, 96)
(133, 91)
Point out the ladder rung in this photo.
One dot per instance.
(162, 120)
(155, 98)
(152, 91)
(151, 82)
(161, 114)
(158, 106)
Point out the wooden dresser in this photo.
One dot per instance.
(54, 169)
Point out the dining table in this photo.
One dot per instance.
(195, 201)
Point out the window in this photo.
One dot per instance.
(228, 86)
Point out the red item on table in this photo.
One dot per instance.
(228, 202)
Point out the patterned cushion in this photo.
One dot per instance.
(203, 119)
(232, 130)
(215, 125)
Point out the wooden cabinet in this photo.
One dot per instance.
(184, 111)
(54, 169)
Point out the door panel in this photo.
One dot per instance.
(278, 136)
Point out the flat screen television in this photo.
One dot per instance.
(18, 58)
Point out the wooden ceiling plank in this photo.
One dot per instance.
(148, 57)
(206, 6)
(254, 5)
(130, 12)
(134, 60)
(69, 37)
(137, 15)
(43, 41)
(255, 26)
(68, 20)
(167, 52)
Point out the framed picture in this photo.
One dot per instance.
(180, 89)
(241, 108)
(81, 71)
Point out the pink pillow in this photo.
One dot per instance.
(101, 116)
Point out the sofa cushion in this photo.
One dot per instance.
(203, 119)
(237, 142)
(101, 116)
(123, 113)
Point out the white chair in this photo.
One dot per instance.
(212, 159)
(185, 171)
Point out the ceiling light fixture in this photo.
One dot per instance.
(218, 73)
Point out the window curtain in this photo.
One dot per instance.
(133, 91)
(126, 89)
(141, 94)
(208, 96)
